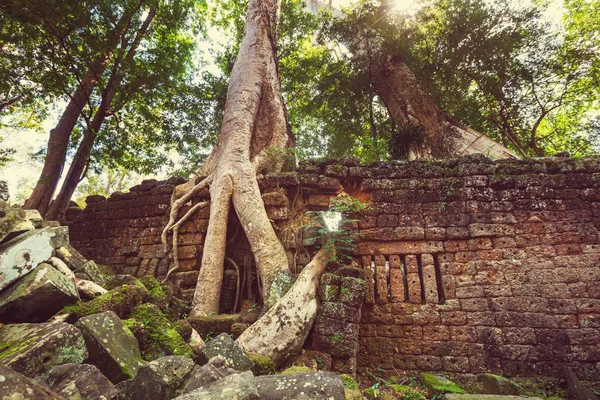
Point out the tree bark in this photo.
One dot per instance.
(58, 142)
(255, 120)
(59, 206)
(406, 102)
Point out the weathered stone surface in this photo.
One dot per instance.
(88, 289)
(485, 397)
(33, 349)
(223, 345)
(4, 195)
(159, 379)
(80, 382)
(238, 386)
(310, 385)
(495, 384)
(163, 338)
(112, 348)
(214, 323)
(71, 256)
(90, 271)
(12, 222)
(15, 386)
(61, 266)
(121, 300)
(437, 384)
(34, 217)
(202, 376)
(37, 296)
(22, 254)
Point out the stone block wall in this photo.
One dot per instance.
(475, 265)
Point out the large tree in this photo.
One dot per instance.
(255, 120)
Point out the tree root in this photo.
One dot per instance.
(175, 228)
(177, 204)
(281, 331)
(237, 282)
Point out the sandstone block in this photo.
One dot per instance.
(80, 382)
(22, 254)
(225, 347)
(37, 296)
(14, 385)
(112, 348)
(33, 349)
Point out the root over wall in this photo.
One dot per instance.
(475, 265)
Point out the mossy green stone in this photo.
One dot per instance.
(163, 338)
(296, 369)
(263, 365)
(348, 381)
(120, 300)
(408, 392)
(439, 385)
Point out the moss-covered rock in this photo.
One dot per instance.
(408, 392)
(121, 300)
(210, 326)
(348, 381)
(120, 280)
(163, 338)
(495, 384)
(112, 347)
(352, 394)
(436, 384)
(295, 369)
(184, 328)
(33, 349)
(263, 365)
(10, 218)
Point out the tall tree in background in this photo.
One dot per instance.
(86, 68)
(140, 62)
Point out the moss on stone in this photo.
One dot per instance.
(163, 339)
(120, 300)
(348, 381)
(439, 385)
(295, 369)
(150, 282)
(352, 394)
(408, 392)
(263, 365)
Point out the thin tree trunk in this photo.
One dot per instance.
(59, 207)
(58, 142)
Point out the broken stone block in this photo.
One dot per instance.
(121, 300)
(237, 386)
(159, 379)
(89, 290)
(162, 338)
(309, 385)
(11, 221)
(4, 196)
(495, 384)
(223, 345)
(80, 382)
(33, 349)
(22, 254)
(214, 323)
(61, 267)
(14, 386)
(34, 217)
(37, 296)
(71, 256)
(112, 348)
(202, 376)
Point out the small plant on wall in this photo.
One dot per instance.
(334, 227)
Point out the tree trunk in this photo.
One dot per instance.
(255, 119)
(59, 206)
(407, 102)
(58, 142)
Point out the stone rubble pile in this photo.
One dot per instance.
(71, 329)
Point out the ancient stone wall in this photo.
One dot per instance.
(475, 265)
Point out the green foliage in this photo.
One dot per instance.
(348, 381)
(406, 138)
